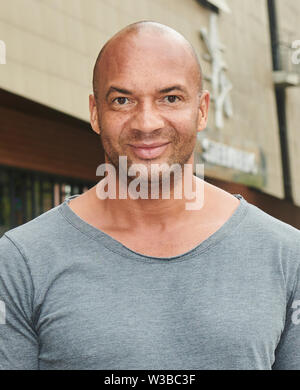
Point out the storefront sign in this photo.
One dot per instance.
(221, 86)
(227, 156)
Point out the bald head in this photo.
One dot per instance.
(140, 30)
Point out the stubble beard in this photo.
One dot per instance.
(182, 149)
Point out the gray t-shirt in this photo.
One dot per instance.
(72, 297)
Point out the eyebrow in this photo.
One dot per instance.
(127, 92)
(174, 88)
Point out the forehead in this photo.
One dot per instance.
(147, 61)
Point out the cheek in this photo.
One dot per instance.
(185, 127)
(185, 120)
(111, 126)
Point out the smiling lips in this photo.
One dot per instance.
(149, 151)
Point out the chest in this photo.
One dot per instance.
(188, 318)
(169, 243)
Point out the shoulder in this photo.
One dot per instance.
(275, 244)
(37, 228)
(31, 238)
(266, 227)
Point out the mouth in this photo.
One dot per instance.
(149, 151)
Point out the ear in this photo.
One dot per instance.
(203, 110)
(94, 114)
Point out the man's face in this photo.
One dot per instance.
(148, 106)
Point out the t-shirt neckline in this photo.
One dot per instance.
(116, 246)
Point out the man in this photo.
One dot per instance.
(142, 283)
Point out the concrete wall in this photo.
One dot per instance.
(52, 46)
(288, 14)
(245, 34)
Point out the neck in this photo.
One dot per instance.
(159, 212)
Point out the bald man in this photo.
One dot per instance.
(124, 282)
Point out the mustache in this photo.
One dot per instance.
(135, 136)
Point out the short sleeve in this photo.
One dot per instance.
(287, 355)
(18, 340)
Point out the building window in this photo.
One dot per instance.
(26, 194)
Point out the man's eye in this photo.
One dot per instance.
(121, 100)
(172, 98)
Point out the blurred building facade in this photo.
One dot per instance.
(250, 146)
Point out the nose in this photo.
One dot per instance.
(147, 118)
